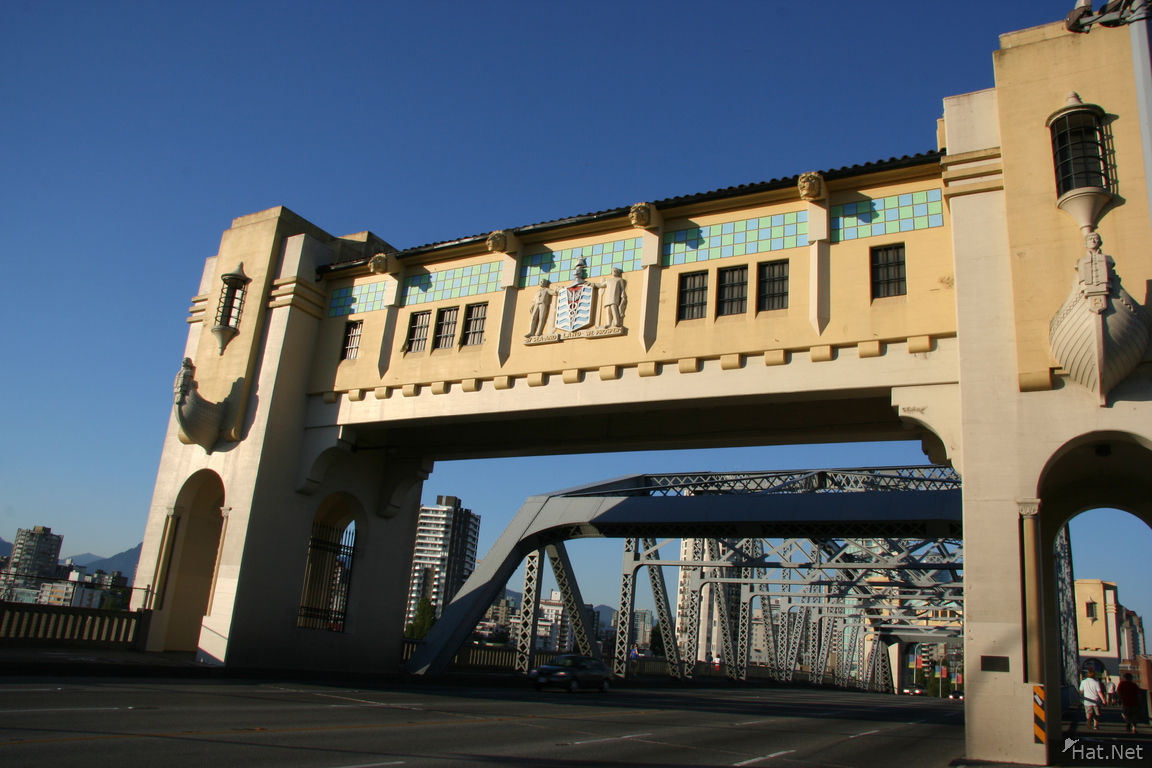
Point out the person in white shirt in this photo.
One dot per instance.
(1092, 692)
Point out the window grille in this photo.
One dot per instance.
(474, 316)
(351, 340)
(772, 286)
(732, 291)
(1079, 151)
(328, 578)
(888, 277)
(693, 295)
(1090, 610)
(418, 331)
(445, 328)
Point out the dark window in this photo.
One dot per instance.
(888, 271)
(1090, 610)
(732, 291)
(445, 328)
(772, 286)
(418, 331)
(1078, 151)
(693, 295)
(351, 340)
(474, 315)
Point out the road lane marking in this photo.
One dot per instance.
(832, 714)
(866, 733)
(766, 757)
(917, 722)
(372, 765)
(755, 722)
(613, 738)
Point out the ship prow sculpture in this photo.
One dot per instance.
(1100, 333)
(201, 421)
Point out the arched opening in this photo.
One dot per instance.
(328, 572)
(1095, 514)
(193, 537)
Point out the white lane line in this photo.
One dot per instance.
(917, 722)
(372, 765)
(766, 757)
(755, 722)
(413, 705)
(831, 714)
(53, 709)
(864, 734)
(613, 738)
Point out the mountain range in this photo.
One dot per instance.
(125, 561)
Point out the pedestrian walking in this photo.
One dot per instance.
(1129, 694)
(1092, 693)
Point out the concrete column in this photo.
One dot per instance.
(1033, 610)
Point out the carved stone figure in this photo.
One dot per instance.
(201, 422)
(498, 242)
(811, 186)
(640, 215)
(540, 309)
(614, 298)
(378, 264)
(1100, 333)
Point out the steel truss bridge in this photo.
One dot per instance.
(816, 570)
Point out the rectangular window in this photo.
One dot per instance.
(418, 331)
(1090, 610)
(445, 328)
(693, 295)
(474, 315)
(351, 340)
(888, 271)
(732, 291)
(772, 286)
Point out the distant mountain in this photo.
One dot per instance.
(125, 562)
(83, 559)
(5, 548)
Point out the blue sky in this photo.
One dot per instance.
(132, 133)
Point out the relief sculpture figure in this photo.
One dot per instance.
(614, 298)
(540, 309)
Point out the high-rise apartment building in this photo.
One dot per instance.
(35, 553)
(445, 553)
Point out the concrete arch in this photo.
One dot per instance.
(326, 594)
(1096, 469)
(192, 539)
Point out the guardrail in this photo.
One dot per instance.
(27, 624)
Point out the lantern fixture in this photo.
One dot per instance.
(1080, 157)
(231, 306)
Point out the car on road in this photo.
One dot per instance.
(572, 672)
(913, 689)
(956, 694)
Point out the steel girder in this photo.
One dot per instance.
(866, 505)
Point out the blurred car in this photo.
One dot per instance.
(956, 694)
(572, 672)
(913, 689)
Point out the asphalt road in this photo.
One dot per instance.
(116, 722)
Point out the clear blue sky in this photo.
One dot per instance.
(132, 133)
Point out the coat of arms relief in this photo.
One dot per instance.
(574, 310)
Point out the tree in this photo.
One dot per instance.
(656, 643)
(422, 622)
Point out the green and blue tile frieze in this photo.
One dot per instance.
(356, 299)
(451, 284)
(599, 259)
(887, 215)
(735, 238)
